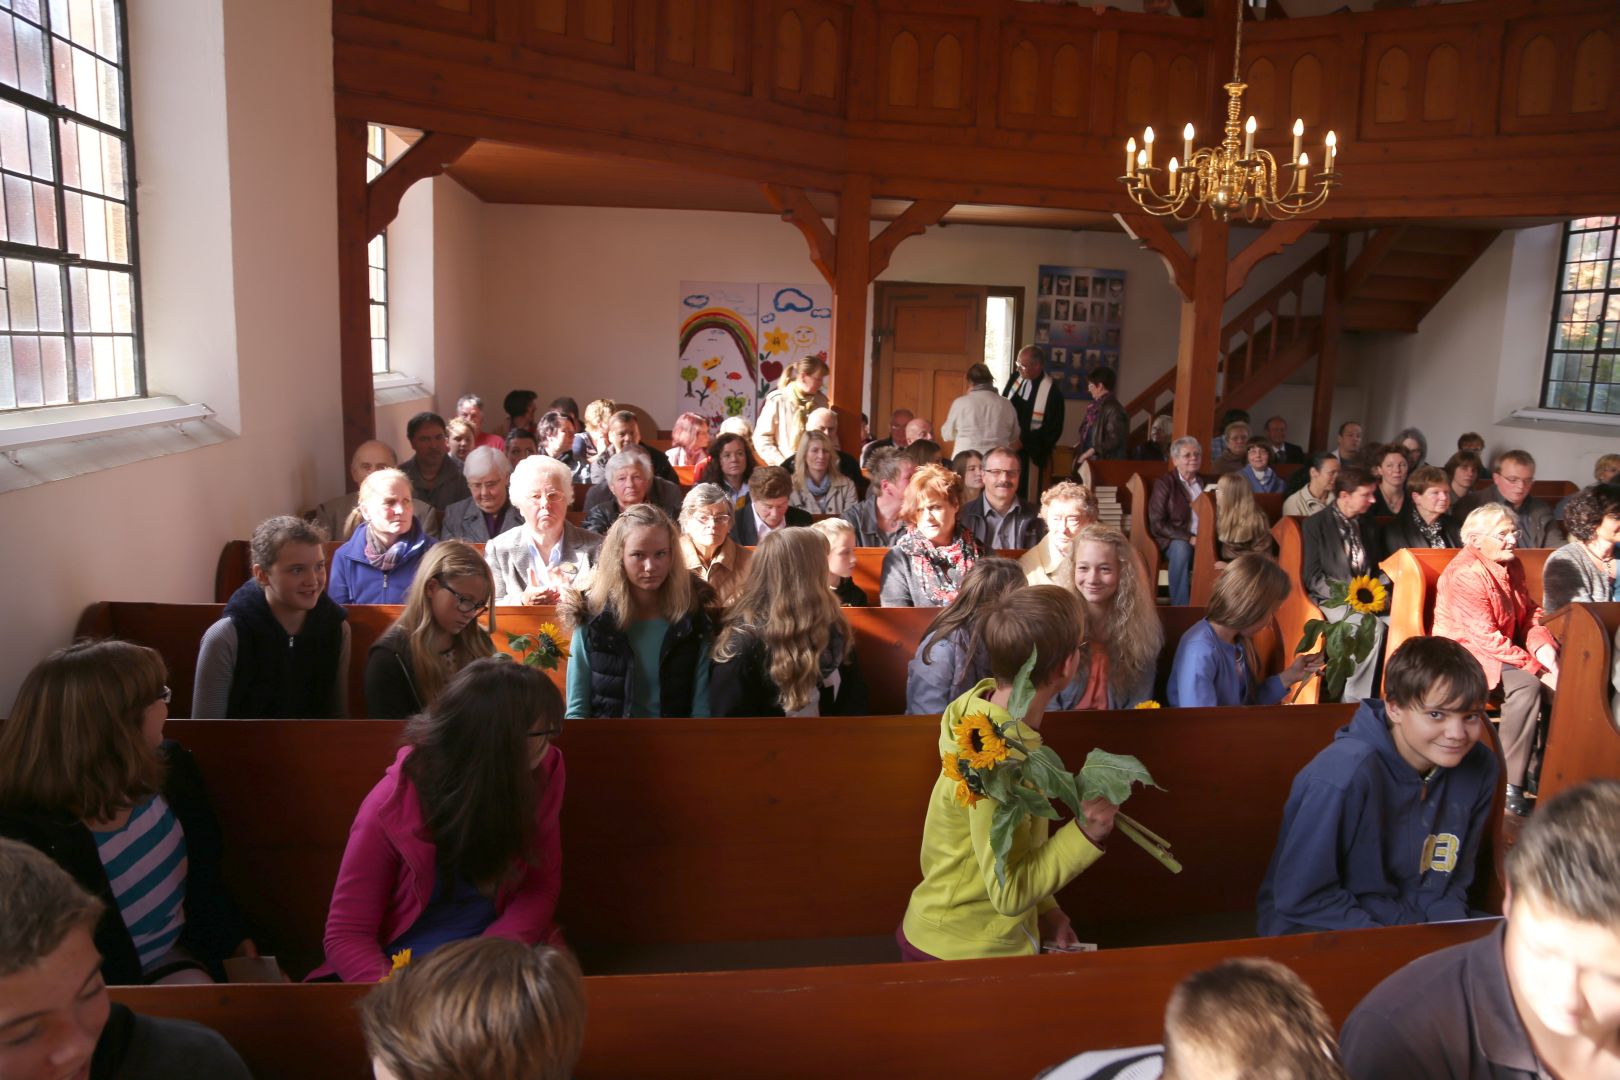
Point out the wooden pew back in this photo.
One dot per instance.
(887, 1017)
(1583, 737)
(1298, 609)
(794, 830)
(1414, 574)
(1135, 497)
(1206, 554)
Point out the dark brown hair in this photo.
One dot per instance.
(1352, 478)
(1042, 619)
(276, 533)
(1587, 509)
(985, 582)
(1249, 1017)
(1423, 664)
(1422, 479)
(1568, 856)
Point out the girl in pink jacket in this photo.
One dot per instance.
(460, 838)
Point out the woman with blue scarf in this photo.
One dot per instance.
(378, 563)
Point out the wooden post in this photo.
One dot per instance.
(1327, 354)
(1201, 316)
(354, 290)
(850, 284)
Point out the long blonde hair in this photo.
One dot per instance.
(801, 468)
(807, 365)
(444, 560)
(787, 605)
(1133, 634)
(1238, 518)
(609, 589)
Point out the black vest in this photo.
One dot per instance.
(608, 651)
(278, 676)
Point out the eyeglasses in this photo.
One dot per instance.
(548, 733)
(1001, 472)
(464, 603)
(711, 520)
(165, 695)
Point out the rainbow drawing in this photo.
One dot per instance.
(730, 323)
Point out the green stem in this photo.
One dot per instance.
(1136, 833)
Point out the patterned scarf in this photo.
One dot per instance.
(1433, 535)
(804, 405)
(939, 570)
(1089, 423)
(387, 560)
(1354, 552)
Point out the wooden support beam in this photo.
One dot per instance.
(913, 222)
(1278, 235)
(1327, 355)
(1372, 253)
(354, 290)
(850, 291)
(1198, 351)
(796, 209)
(1150, 232)
(433, 153)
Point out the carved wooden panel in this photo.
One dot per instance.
(1415, 84)
(705, 41)
(595, 30)
(1162, 85)
(1288, 79)
(926, 66)
(474, 18)
(1045, 83)
(1559, 73)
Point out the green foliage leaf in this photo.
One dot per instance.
(1033, 802)
(998, 782)
(1023, 688)
(1044, 769)
(1313, 631)
(1366, 637)
(1002, 826)
(1111, 776)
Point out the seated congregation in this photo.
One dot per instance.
(721, 579)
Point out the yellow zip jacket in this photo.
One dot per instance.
(960, 911)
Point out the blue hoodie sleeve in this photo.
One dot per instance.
(1307, 888)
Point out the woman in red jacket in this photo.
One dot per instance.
(1481, 602)
(460, 837)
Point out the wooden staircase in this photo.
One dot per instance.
(1400, 273)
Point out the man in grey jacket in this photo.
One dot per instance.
(1515, 471)
(998, 518)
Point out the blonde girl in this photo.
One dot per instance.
(785, 412)
(1125, 635)
(436, 635)
(1240, 525)
(840, 537)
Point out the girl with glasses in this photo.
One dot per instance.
(460, 838)
(437, 634)
(281, 651)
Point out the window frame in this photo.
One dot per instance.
(376, 165)
(1598, 352)
(60, 257)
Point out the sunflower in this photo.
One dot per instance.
(979, 741)
(554, 636)
(1366, 595)
(965, 796)
(401, 961)
(951, 767)
(1148, 704)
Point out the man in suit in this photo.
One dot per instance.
(1511, 479)
(1341, 543)
(1039, 403)
(998, 518)
(767, 511)
(1283, 452)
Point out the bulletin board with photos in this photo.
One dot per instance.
(1079, 317)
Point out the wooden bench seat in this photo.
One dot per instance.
(1298, 609)
(1414, 574)
(1583, 737)
(885, 641)
(872, 1020)
(682, 840)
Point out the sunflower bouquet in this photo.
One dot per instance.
(991, 762)
(543, 649)
(1347, 642)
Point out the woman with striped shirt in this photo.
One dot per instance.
(87, 778)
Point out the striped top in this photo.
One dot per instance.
(145, 863)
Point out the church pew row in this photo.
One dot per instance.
(866, 1020)
(1205, 555)
(236, 565)
(735, 842)
(1414, 574)
(1583, 736)
(885, 641)
(1119, 473)
(1298, 609)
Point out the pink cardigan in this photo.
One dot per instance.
(388, 870)
(1485, 607)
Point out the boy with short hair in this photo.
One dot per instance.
(960, 910)
(1382, 827)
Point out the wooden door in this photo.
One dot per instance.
(930, 335)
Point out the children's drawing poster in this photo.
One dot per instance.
(736, 338)
(1079, 317)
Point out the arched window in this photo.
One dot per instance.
(70, 328)
(1583, 349)
(377, 256)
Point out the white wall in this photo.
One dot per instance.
(1478, 356)
(265, 261)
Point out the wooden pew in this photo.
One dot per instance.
(1414, 574)
(1135, 499)
(868, 1020)
(885, 640)
(679, 857)
(1205, 555)
(1298, 609)
(1583, 738)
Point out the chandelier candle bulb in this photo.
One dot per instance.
(1248, 137)
(1299, 134)
(1130, 156)
(1141, 159)
(1299, 173)
(1147, 145)
(1186, 143)
(1332, 148)
(1173, 177)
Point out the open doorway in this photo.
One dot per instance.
(928, 335)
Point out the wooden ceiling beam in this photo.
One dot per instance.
(1278, 235)
(796, 209)
(1372, 253)
(433, 153)
(1150, 232)
(913, 221)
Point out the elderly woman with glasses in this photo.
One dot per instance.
(531, 564)
(707, 548)
(436, 635)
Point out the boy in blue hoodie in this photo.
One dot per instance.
(1382, 827)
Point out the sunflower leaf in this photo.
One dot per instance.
(1045, 770)
(1003, 823)
(1313, 631)
(998, 782)
(1111, 776)
(1023, 688)
(1034, 802)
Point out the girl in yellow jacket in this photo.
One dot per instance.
(961, 910)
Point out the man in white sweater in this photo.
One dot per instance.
(980, 419)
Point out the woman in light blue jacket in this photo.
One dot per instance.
(378, 563)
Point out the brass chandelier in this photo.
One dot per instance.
(1229, 180)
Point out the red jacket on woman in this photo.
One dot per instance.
(1484, 606)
